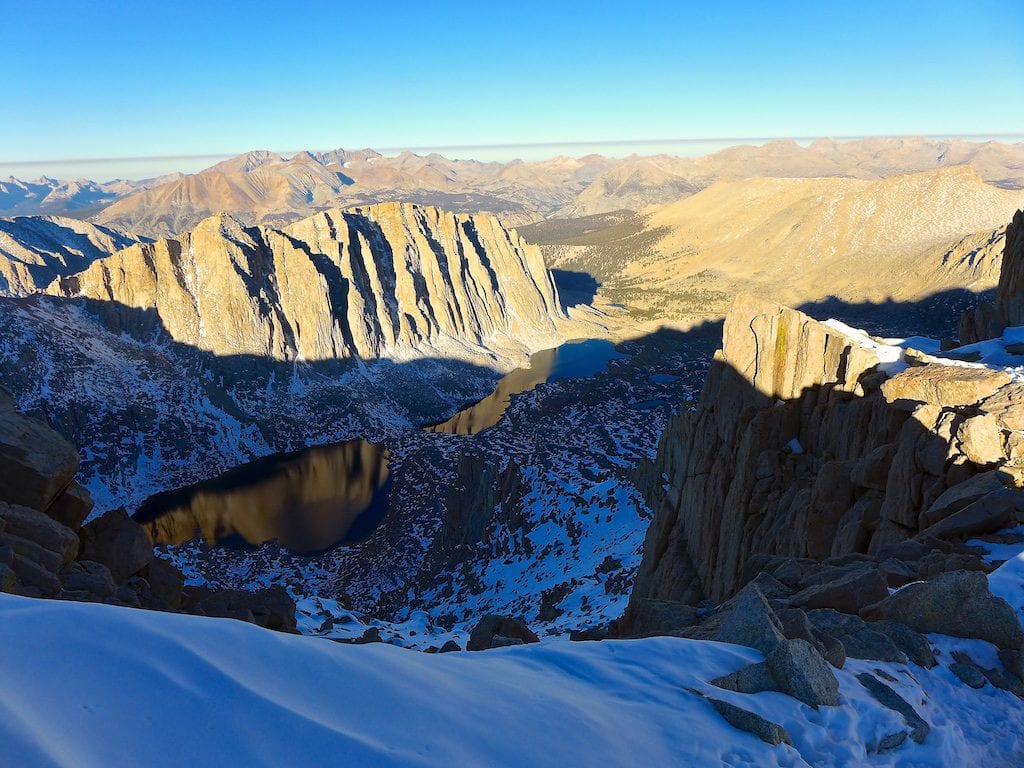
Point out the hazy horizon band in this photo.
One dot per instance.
(105, 169)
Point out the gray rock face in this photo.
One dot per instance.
(751, 679)
(271, 608)
(71, 507)
(958, 604)
(876, 640)
(30, 525)
(995, 510)
(499, 631)
(658, 617)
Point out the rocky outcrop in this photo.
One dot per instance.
(806, 445)
(386, 280)
(35, 250)
(46, 551)
(988, 320)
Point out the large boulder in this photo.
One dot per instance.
(118, 542)
(957, 497)
(944, 385)
(852, 590)
(995, 510)
(958, 604)
(745, 619)
(647, 616)
(799, 670)
(165, 585)
(499, 631)
(36, 464)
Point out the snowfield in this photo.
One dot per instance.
(94, 685)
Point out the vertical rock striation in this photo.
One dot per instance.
(34, 250)
(803, 445)
(386, 280)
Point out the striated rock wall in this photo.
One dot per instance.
(34, 250)
(989, 320)
(387, 279)
(803, 445)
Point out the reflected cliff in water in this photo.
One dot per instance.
(308, 501)
(315, 499)
(572, 360)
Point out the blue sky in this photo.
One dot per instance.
(140, 79)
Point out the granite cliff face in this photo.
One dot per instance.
(389, 280)
(812, 441)
(34, 250)
(989, 320)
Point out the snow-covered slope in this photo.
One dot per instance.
(93, 685)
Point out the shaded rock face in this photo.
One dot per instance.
(989, 320)
(365, 282)
(802, 446)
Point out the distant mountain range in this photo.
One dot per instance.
(270, 188)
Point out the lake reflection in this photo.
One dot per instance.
(308, 501)
(572, 360)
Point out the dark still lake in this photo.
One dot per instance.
(312, 500)
(308, 501)
(575, 359)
